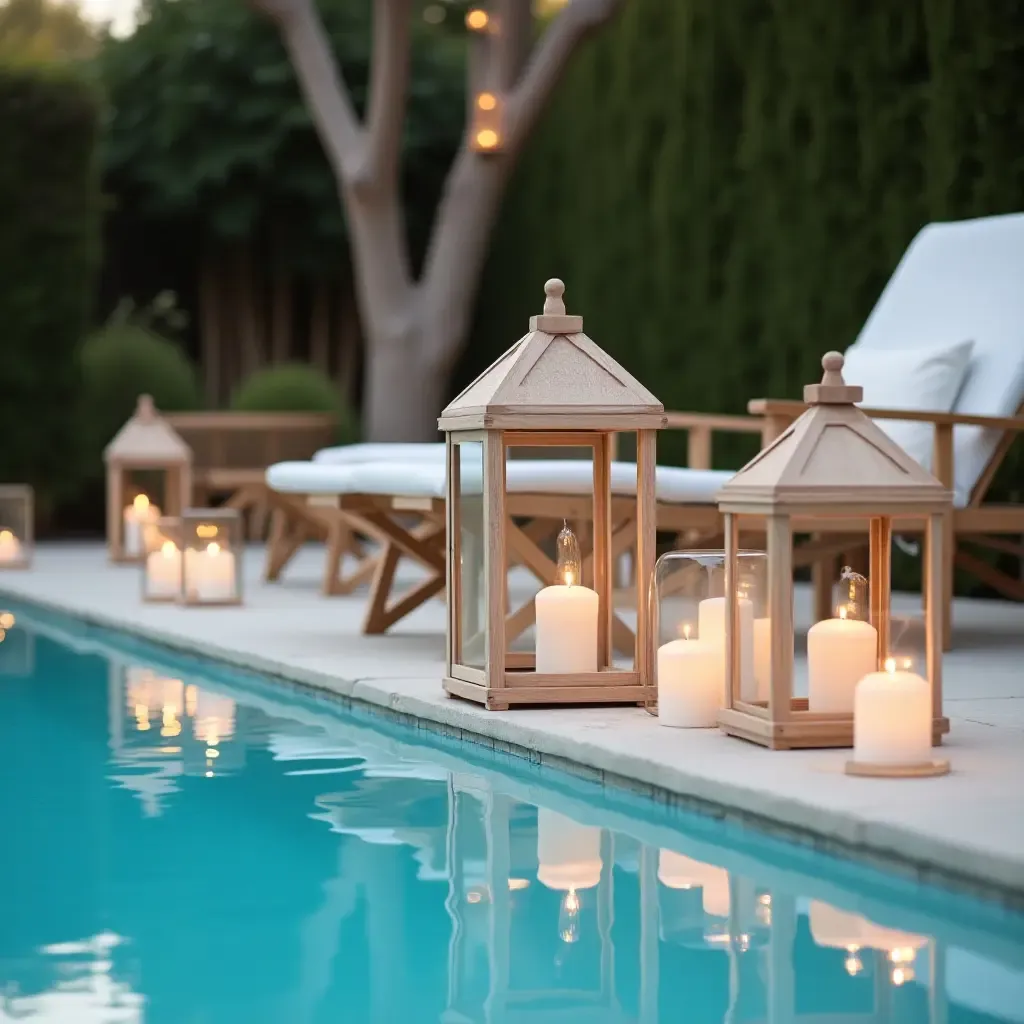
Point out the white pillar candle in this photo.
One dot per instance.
(566, 629)
(210, 574)
(711, 628)
(691, 683)
(10, 547)
(840, 652)
(568, 853)
(892, 718)
(137, 516)
(163, 571)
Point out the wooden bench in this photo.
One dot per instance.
(231, 452)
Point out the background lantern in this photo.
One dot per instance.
(16, 526)
(554, 389)
(145, 447)
(833, 469)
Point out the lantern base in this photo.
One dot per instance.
(925, 769)
(500, 698)
(21, 563)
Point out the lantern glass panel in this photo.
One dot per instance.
(211, 541)
(471, 648)
(689, 607)
(15, 526)
(908, 645)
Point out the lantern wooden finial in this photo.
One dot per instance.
(145, 410)
(832, 390)
(553, 304)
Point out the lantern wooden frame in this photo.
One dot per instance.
(521, 401)
(833, 469)
(17, 514)
(146, 442)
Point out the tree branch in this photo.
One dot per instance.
(389, 79)
(548, 63)
(319, 78)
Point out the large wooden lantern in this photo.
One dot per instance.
(145, 453)
(835, 470)
(553, 389)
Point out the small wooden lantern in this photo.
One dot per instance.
(212, 553)
(833, 469)
(553, 389)
(145, 443)
(16, 526)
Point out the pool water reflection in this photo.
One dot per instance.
(186, 845)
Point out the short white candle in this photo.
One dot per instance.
(210, 574)
(10, 547)
(711, 629)
(892, 718)
(691, 683)
(137, 516)
(840, 652)
(566, 629)
(163, 571)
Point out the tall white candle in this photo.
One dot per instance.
(566, 629)
(137, 516)
(210, 574)
(163, 571)
(691, 683)
(840, 652)
(711, 629)
(892, 718)
(10, 547)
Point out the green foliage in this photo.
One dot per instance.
(49, 248)
(726, 187)
(295, 387)
(127, 358)
(207, 122)
(39, 31)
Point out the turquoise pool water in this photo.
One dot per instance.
(182, 844)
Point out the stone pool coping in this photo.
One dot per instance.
(965, 831)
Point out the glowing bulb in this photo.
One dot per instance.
(477, 20)
(487, 138)
(486, 101)
(569, 569)
(890, 665)
(568, 917)
(140, 503)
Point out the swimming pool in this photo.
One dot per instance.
(185, 844)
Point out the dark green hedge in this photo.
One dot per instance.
(49, 230)
(726, 186)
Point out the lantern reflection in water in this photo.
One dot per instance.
(569, 860)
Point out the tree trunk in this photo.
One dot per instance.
(404, 391)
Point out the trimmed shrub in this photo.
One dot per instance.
(295, 387)
(121, 361)
(49, 253)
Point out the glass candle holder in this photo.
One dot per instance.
(688, 610)
(15, 526)
(211, 546)
(161, 573)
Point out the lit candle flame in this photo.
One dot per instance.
(842, 612)
(687, 630)
(140, 503)
(890, 665)
(168, 549)
(213, 548)
(6, 536)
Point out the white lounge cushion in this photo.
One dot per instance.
(344, 454)
(524, 476)
(960, 281)
(921, 379)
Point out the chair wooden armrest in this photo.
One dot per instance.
(790, 410)
(701, 426)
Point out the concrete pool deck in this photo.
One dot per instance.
(966, 829)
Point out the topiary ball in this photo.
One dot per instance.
(125, 360)
(294, 387)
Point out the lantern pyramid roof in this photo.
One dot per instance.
(555, 377)
(833, 455)
(147, 438)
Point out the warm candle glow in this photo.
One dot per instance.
(213, 548)
(477, 20)
(486, 101)
(206, 530)
(141, 504)
(168, 549)
(890, 666)
(487, 138)
(6, 536)
(842, 613)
